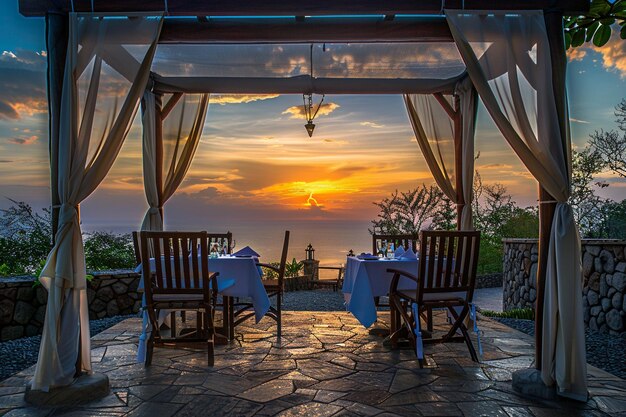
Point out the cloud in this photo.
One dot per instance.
(571, 119)
(23, 84)
(297, 112)
(613, 53)
(24, 140)
(372, 124)
(224, 99)
(335, 142)
(495, 166)
(7, 112)
(576, 54)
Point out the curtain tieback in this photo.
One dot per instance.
(67, 213)
(154, 210)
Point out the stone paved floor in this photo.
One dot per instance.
(326, 365)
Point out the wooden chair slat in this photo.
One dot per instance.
(430, 270)
(440, 253)
(450, 277)
(177, 273)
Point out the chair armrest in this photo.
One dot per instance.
(393, 287)
(268, 266)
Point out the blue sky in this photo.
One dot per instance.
(255, 159)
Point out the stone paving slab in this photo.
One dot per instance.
(326, 364)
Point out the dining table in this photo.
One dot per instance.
(243, 270)
(367, 278)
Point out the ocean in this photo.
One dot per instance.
(331, 239)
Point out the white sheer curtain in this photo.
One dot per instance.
(99, 72)
(181, 132)
(469, 110)
(514, 78)
(434, 132)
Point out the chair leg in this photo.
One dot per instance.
(279, 315)
(173, 325)
(429, 321)
(149, 352)
(468, 342)
(209, 332)
(183, 316)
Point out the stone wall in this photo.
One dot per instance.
(604, 280)
(23, 305)
(489, 280)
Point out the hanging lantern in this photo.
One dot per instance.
(310, 253)
(310, 113)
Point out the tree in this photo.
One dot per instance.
(408, 212)
(586, 204)
(25, 238)
(611, 146)
(595, 26)
(104, 250)
(495, 214)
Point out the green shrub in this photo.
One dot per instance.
(270, 273)
(293, 268)
(25, 238)
(516, 313)
(105, 250)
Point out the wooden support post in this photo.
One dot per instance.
(547, 206)
(158, 133)
(56, 47)
(458, 160)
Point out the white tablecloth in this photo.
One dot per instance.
(365, 280)
(248, 283)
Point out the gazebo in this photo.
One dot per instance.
(169, 55)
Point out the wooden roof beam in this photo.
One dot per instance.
(294, 7)
(221, 30)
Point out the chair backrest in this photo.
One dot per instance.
(179, 265)
(448, 261)
(221, 239)
(136, 248)
(283, 261)
(407, 241)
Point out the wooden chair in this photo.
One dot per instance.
(335, 283)
(221, 239)
(274, 288)
(446, 278)
(407, 241)
(136, 248)
(179, 279)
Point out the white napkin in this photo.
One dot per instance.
(399, 252)
(409, 254)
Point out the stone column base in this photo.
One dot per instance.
(84, 389)
(528, 382)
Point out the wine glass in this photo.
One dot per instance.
(379, 245)
(232, 246)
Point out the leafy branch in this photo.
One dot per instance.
(595, 26)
